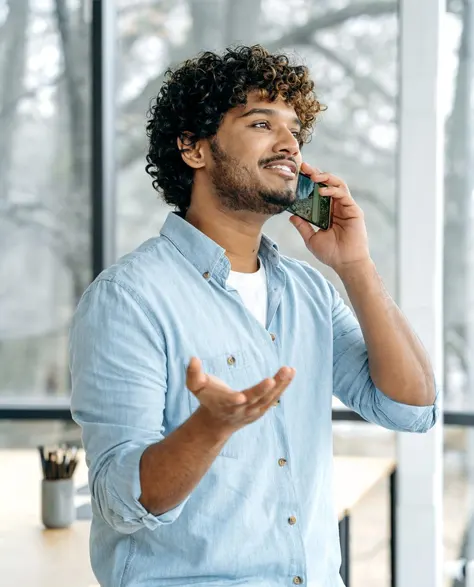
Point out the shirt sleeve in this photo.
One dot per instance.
(118, 370)
(353, 384)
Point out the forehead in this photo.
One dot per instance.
(254, 101)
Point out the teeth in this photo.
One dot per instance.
(284, 167)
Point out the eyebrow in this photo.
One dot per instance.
(268, 112)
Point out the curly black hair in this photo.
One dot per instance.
(195, 97)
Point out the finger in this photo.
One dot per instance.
(309, 169)
(255, 393)
(196, 379)
(341, 194)
(321, 176)
(329, 178)
(269, 399)
(213, 390)
(262, 390)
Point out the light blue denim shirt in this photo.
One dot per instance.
(132, 336)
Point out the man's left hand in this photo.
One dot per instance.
(346, 243)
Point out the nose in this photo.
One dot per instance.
(287, 143)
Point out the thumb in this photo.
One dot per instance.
(304, 228)
(195, 378)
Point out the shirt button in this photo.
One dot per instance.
(282, 462)
(206, 275)
(297, 580)
(277, 402)
(292, 520)
(231, 360)
(273, 336)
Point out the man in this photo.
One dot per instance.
(204, 363)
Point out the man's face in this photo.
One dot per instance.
(251, 142)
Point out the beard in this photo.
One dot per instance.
(238, 189)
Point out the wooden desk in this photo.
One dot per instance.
(31, 556)
(35, 557)
(354, 477)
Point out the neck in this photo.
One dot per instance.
(235, 232)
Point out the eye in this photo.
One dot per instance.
(259, 125)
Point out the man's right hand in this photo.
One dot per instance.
(231, 410)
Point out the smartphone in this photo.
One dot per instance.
(310, 205)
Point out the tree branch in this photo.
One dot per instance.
(76, 105)
(11, 106)
(365, 85)
(377, 203)
(385, 158)
(305, 33)
(12, 83)
(296, 36)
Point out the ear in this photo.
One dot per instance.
(191, 150)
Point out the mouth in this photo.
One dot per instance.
(286, 169)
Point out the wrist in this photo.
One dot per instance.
(346, 271)
(211, 426)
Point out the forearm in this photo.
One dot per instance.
(399, 365)
(171, 469)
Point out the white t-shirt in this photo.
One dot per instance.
(252, 288)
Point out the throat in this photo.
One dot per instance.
(240, 265)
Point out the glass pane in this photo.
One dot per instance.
(353, 59)
(44, 189)
(458, 97)
(459, 210)
(32, 433)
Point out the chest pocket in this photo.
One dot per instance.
(239, 370)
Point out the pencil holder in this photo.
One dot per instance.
(57, 503)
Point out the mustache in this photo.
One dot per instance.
(264, 162)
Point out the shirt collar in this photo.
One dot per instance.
(205, 254)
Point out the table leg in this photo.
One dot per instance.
(344, 535)
(393, 528)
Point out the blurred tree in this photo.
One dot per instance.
(12, 63)
(458, 193)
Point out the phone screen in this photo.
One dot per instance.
(310, 205)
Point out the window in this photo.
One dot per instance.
(459, 279)
(353, 58)
(44, 189)
(27, 435)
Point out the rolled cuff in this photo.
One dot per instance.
(123, 490)
(405, 417)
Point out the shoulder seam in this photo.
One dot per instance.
(134, 295)
(132, 260)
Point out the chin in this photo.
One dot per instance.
(279, 203)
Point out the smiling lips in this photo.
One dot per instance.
(286, 169)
